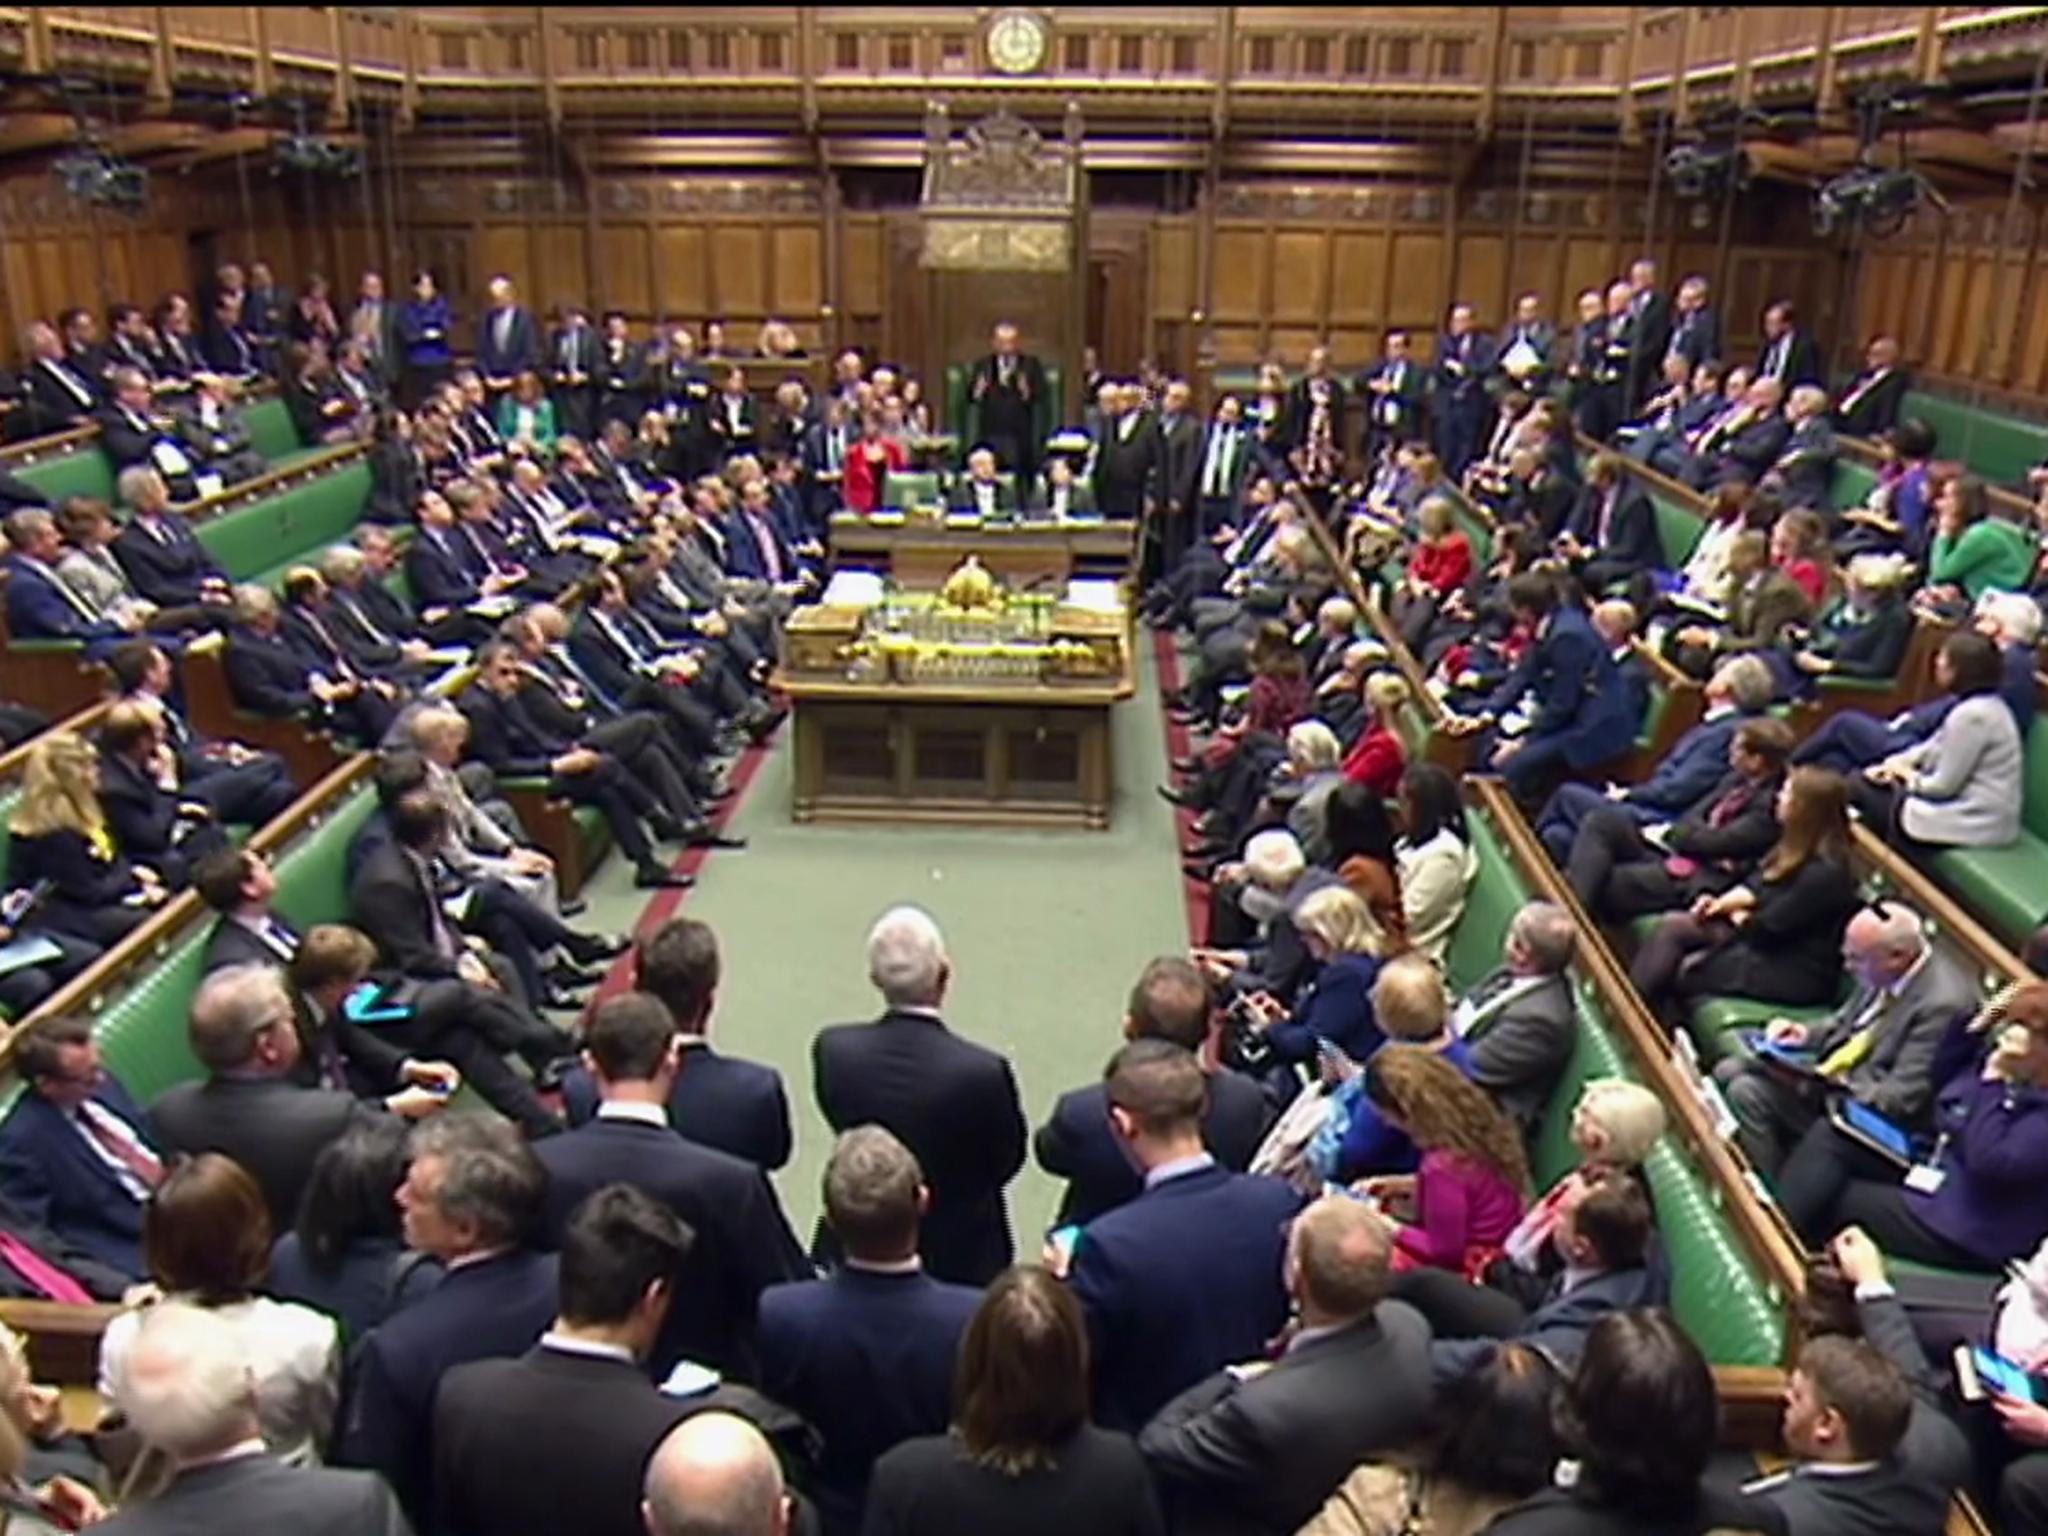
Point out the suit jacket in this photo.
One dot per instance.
(271, 1127)
(144, 818)
(1460, 382)
(1542, 340)
(390, 901)
(1758, 615)
(37, 609)
(1696, 335)
(103, 1281)
(1008, 412)
(233, 943)
(1160, 1323)
(1180, 459)
(1574, 680)
(960, 499)
(1262, 1455)
(1870, 644)
(261, 1493)
(955, 1105)
(573, 349)
(1631, 532)
(1869, 404)
(60, 395)
(506, 737)
(1557, 1326)
(521, 348)
(1097, 1482)
(442, 570)
(128, 439)
(719, 1101)
(1748, 826)
(53, 1178)
(1802, 360)
(1124, 467)
(397, 480)
(1806, 464)
(1397, 415)
(547, 1442)
(267, 674)
(1519, 1049)
(1077, 1143)
(1753, 450)
(1691, 768)
(867, 1359)
(491, 1309)
(167, 571)
(1896, 1076)
(744, 556)
(743, 1245)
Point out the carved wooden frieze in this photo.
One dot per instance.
(996, 245)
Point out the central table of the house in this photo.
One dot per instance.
(970, 679)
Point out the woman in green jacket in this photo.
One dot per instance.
(1975, 552)
(527, 415)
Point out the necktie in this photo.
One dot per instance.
(87, 608)
(1729, 806)
(437, 925)
(122, 1143)
(1854, 1051)
(76, 390)
(363, 620)
(280, 938)
(43, 1277)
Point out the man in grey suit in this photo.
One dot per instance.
(188, 1391)
(1874, 1451)
(1520, 1022)
(1256, 1448)
(1877, 1048)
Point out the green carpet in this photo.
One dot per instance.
(1047, 930)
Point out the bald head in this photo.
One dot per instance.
(1339, 1252)
(714, 1475)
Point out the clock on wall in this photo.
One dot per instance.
(1016, 42)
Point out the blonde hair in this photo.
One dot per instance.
(1386, 692)
(1314, 745)
(1629, 1117)
(1408, 999)
(1337, 917)
(1436, 516)
(60, 789)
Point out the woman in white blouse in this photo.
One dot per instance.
(206, 1239)
(1433, 858)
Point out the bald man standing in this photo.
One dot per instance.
(1270, 1445)
(715, 1472)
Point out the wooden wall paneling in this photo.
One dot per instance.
(2030, 365)
(682, 270)
(115, 260)
(1481, 279)
(1948, 303)
(739, 270)
(798, 288)
(861, 246)
(1587, 264)
(1536, 265)
(1416, 275)
(562, 272)
(59, 281)
(506, 249)
(1172, 288)
(1976, 347)
(1240, 257)
(1300, 277)
(17, 290)
(625, 274)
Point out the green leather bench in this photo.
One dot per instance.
(1718, 1295)
(2000, 447)
(1679, 527)
(272, 434)
(86, 471)
(907, 488)
(963, 416)
(298, 523)
(2007, 888)
(1853, 482)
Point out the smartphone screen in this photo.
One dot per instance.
(2002, 1375)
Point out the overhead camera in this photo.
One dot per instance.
(306, 155)
(97, 177)
(1703, 170)
(1876, 199)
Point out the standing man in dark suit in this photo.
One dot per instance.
(189, 1394)
(1262, 1452)
(374, 324)
(1125, 456)
(1788, 354)
(76, 1155)
(718, 1101)
(1227, 456)
(558, 1438)
(1180, 468)
(1649, 334)
(243, 1031)
(624, 384)
(1695, 326)
(866, 1355)
(1079, 1141)
(1392, 390)
(1520, 1023)
(573, 363)
(1464, 411)
(743, 1242)
(507, 340)
(1527, 352)
(953, 1103)
(1008, 385)
(1159, 1317)
(472, 1199)
(1869, 406)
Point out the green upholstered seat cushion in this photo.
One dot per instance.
(1653, 714)
(271, 432)
(1999, 447)
(1496, 896)
(1678, 528)
(963, 416)
(2006, 888)
(1716, 1293)
(142, 1031)
(84, 471)
(1852, 484)
(260, 540)
(1717, 1024)
(910, 488)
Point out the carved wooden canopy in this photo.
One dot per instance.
(999, 196)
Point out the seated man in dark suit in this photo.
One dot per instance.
(1079, 1142)
(153, 821)
(1185, 1279)
(77, 1155)
(1262, 1452)
(1612, 532)
(865, 1355)
(242, 1031)
(188, 1393)
(558, 1439)
(507, 738)
(981, 491)
(269, 675)
(214, 432)
(40, 604)
(719, 1101)
(472, 1199)
(744, 1244)
(164, 559)
(443, 568)
(134, 438)
(952, 1102)
(1805, 466)
(370, 588)
(1752, 445)
(1870, 402)
(239, 783)
(1520, 1023)
(311, 623)
(1064, 494)
(60, 396)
